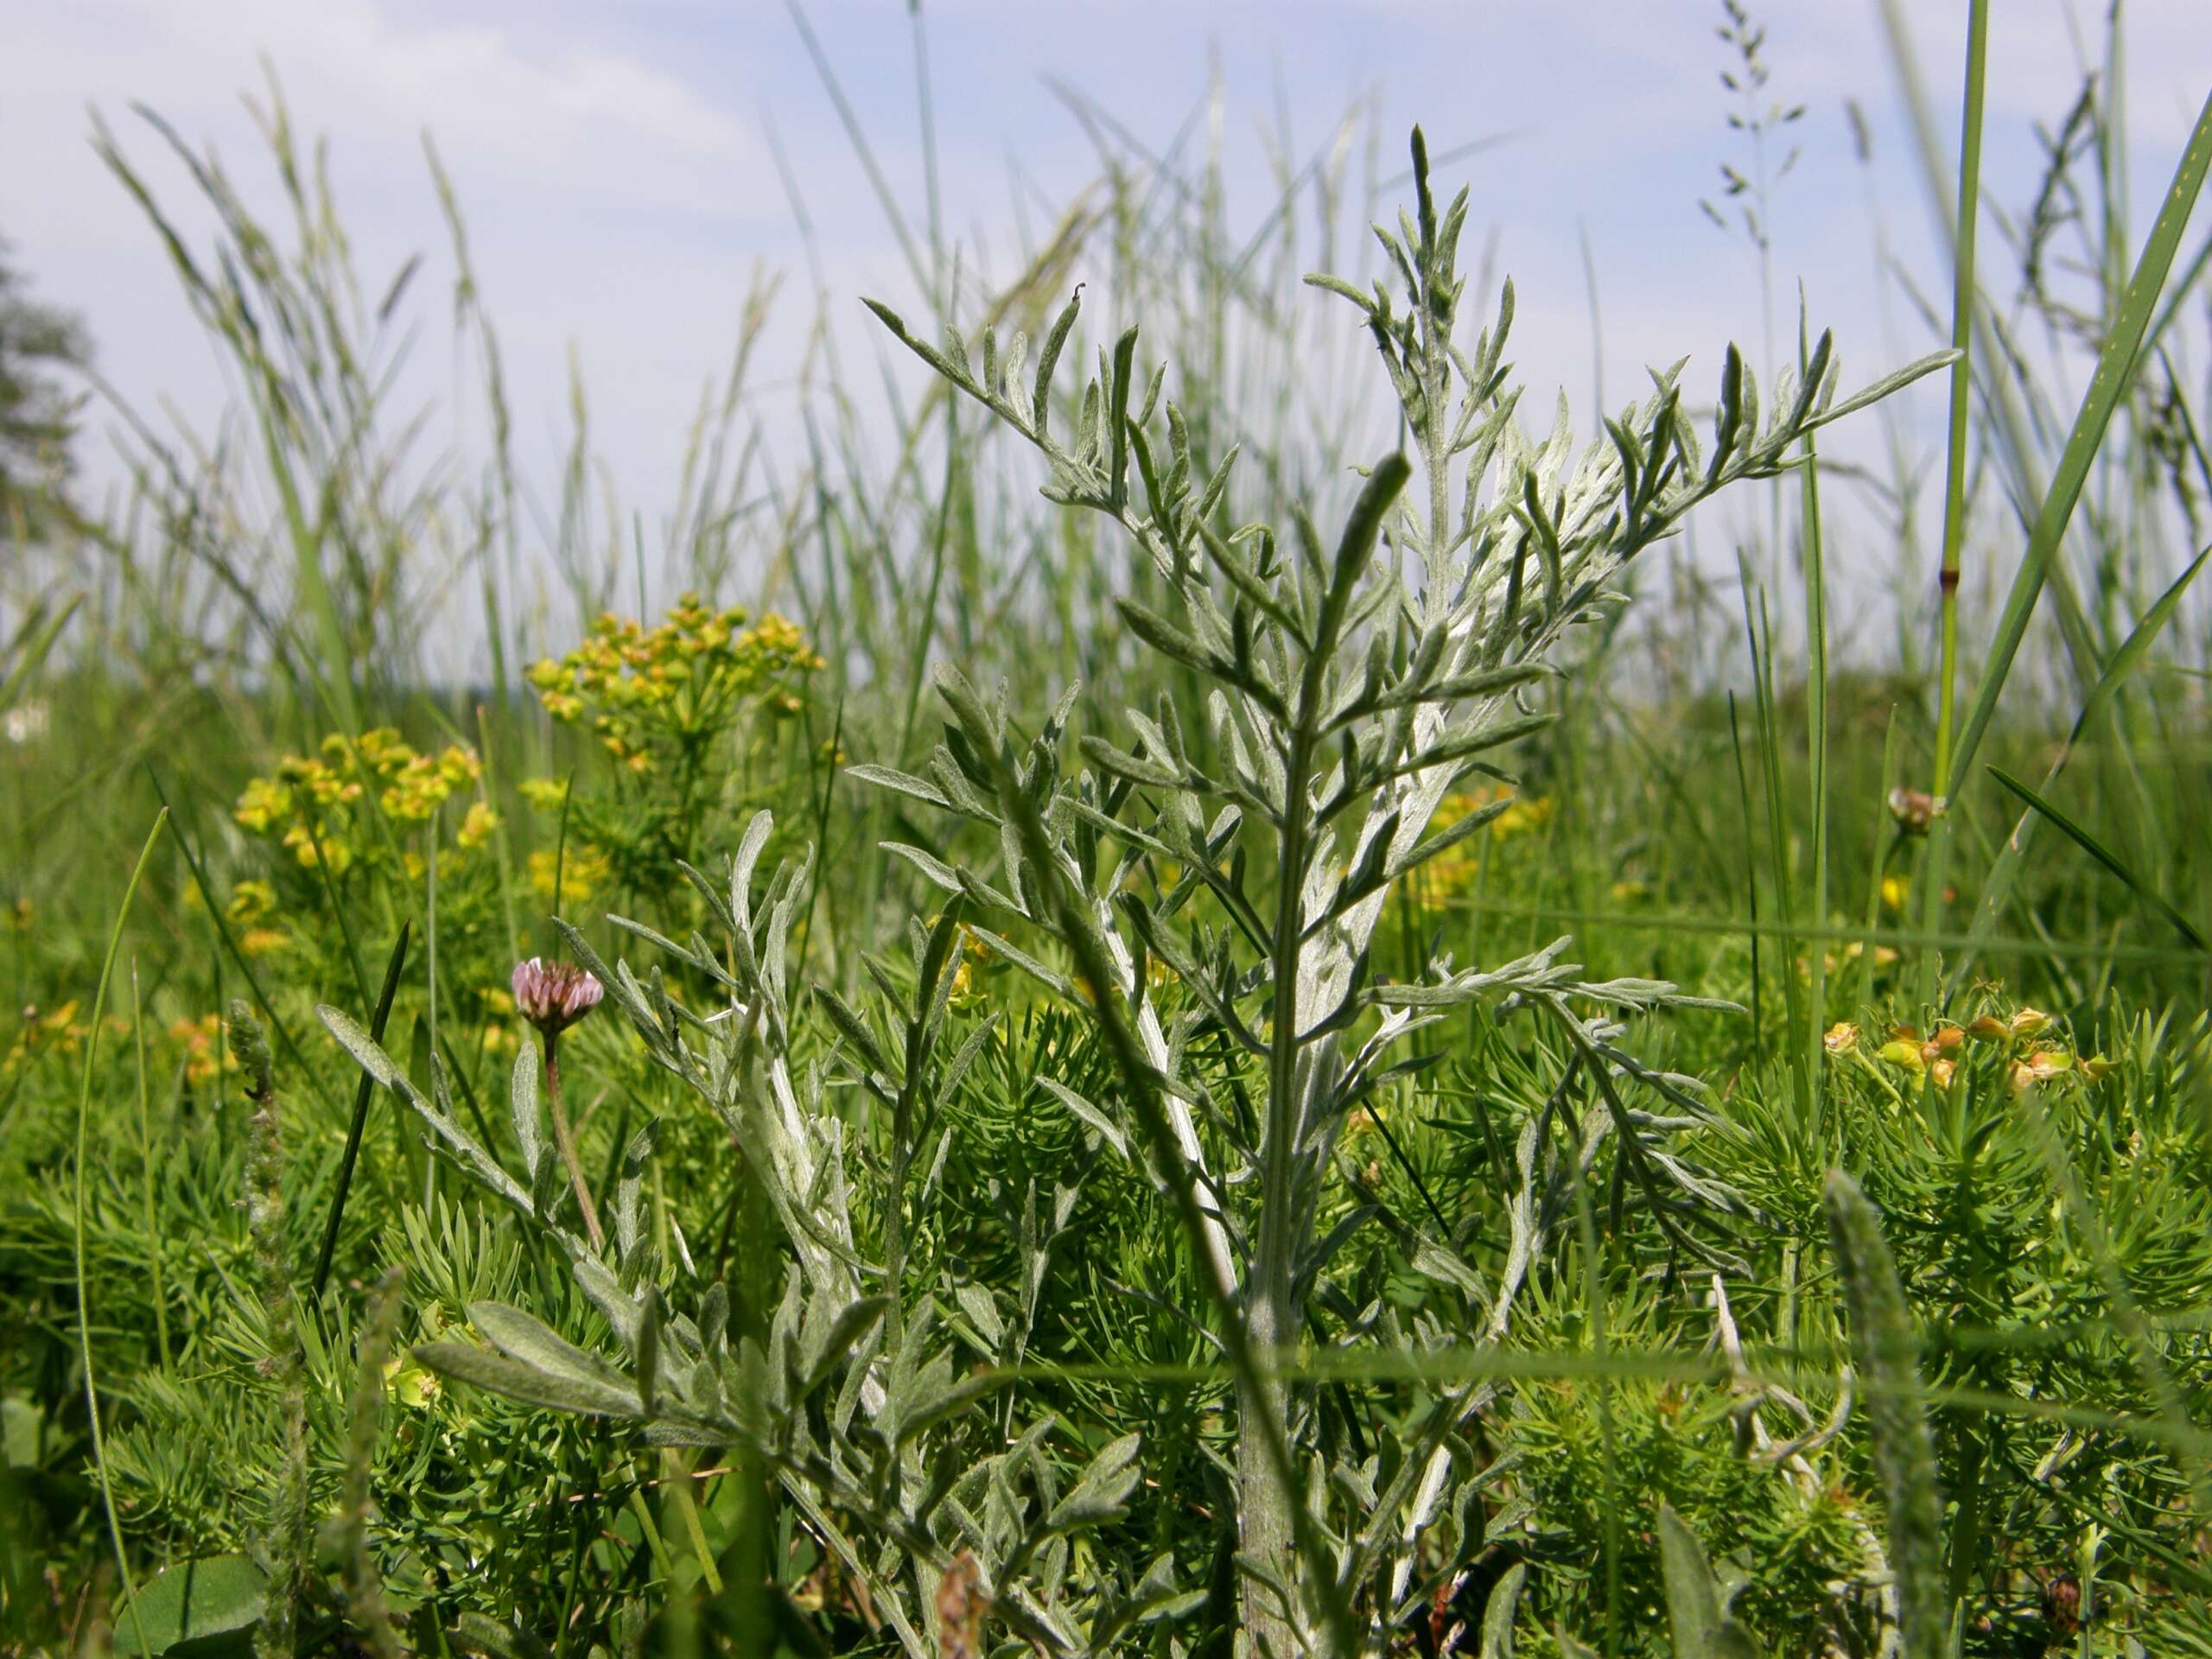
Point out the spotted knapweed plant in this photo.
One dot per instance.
(1346, 691)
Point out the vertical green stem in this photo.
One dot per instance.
(84, 1302)
(1816, 740)
(146, 1163)
(1955, 478)
(565, 1141)
(1265, 1498)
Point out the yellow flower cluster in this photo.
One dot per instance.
(1453, 871)
(252, 910)
(1834, 962)
(975, 960)
(57, 1031)
(676, 682)
(302, 803)
(207, 1056)
(2030, 1059)
(62, 1033)
(581, 873)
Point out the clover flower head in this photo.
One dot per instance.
(1915, 810)
(554, 995)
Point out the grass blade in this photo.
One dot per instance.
(2108, 387)
(1998, 886)
(361, 1094)
(83, 1300)
(2089, 843)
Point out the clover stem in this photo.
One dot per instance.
(566, 1143)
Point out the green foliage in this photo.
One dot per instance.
(195, 1610)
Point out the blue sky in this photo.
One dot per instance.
(620, 189)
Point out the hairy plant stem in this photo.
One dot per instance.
(1266, 1502)
(566, 1141)
(894, 1216)
(1266, 1432)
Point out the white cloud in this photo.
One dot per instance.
(581, 119)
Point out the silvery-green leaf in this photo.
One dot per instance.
(1051, 978)
(820, 1354)
(1104, 1488)
(1088, 1113)
(1888, 384)
(1697, 1606)
(982, 1312)
(1499, 1610)
(604, 1291)
(532, 1387)
(523, 1338)
(523, 1104)
(903, 782)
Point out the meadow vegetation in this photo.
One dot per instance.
(1199, 992)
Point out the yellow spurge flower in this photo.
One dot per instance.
(250, 902)
(57, 1032)
(382, 750)
(303, 843)
(1946, 1042)
(963, 993)
(477, 825)
(1895, 890)
(582, 874)
(545, 794)
(1839, 1037)
(260, 940)
(682, 676)
(266, 804)
(1903, 1053)
(2028, 1022)
(409, 1383)
(207, 1056)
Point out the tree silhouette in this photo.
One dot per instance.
(39, 345)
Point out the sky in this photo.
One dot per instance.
(615, 165)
